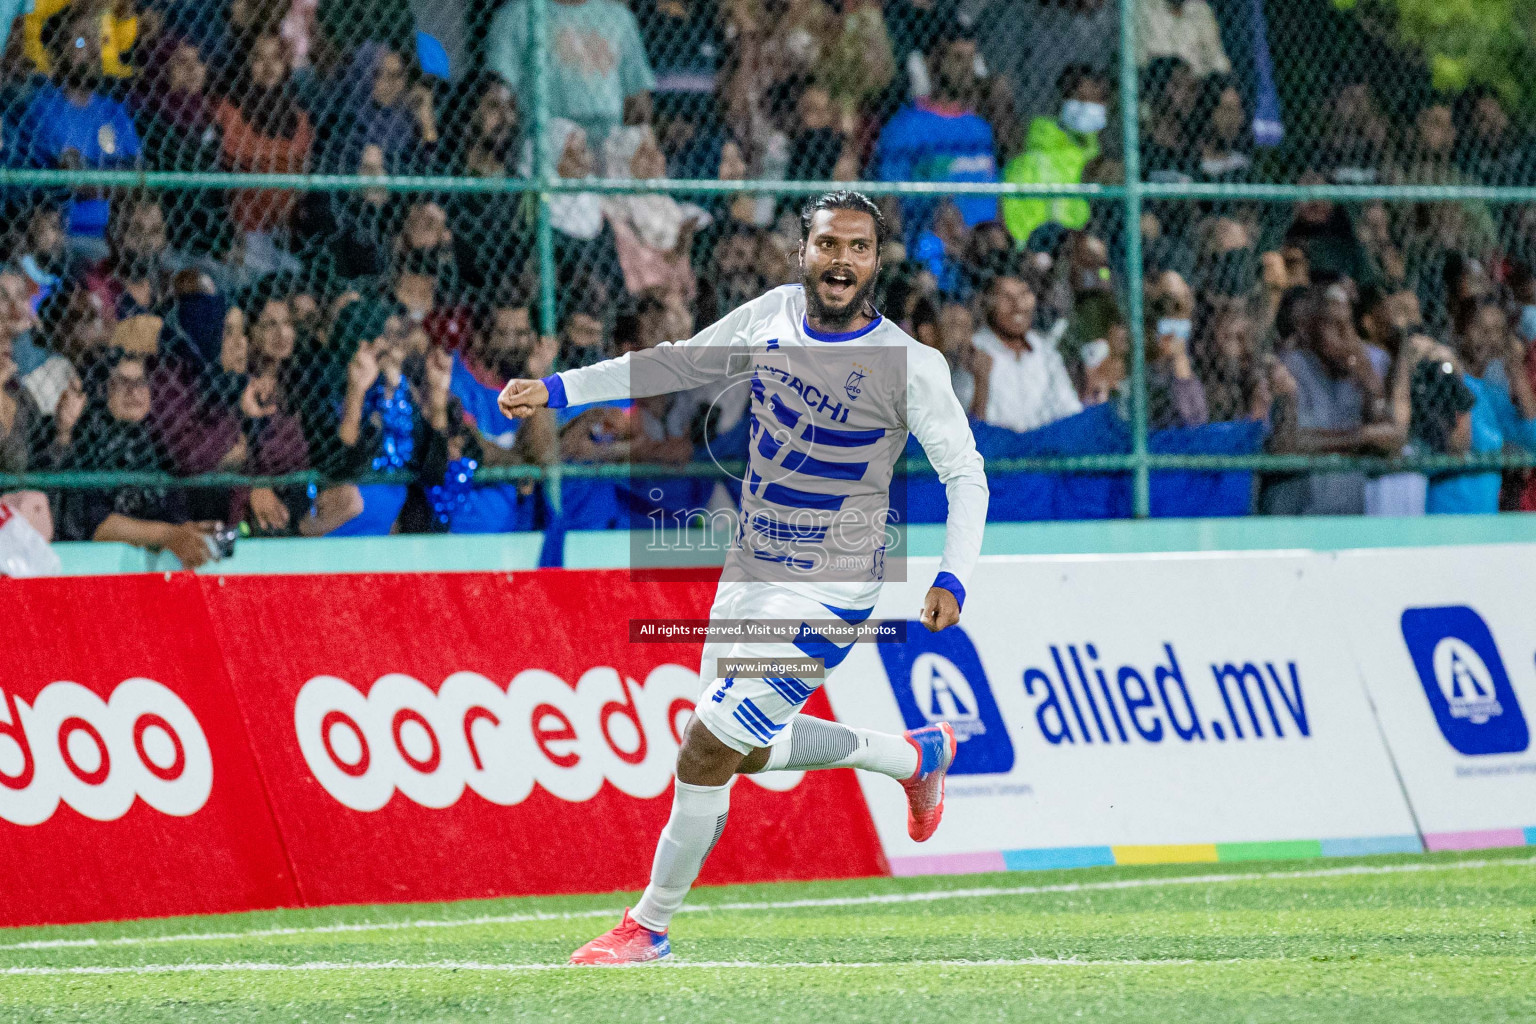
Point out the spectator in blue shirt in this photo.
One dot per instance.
(942, 138)
(1503, 413)
(942, 248)
(69, 124)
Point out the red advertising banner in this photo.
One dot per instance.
(445, 736)
(127, 786)
(177, 745)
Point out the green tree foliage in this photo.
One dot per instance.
(1465, 42)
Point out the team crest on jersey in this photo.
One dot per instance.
(854, 385)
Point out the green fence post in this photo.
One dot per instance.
(1130, 100)
(538, 88)
(538, 82)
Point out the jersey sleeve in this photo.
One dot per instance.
(934, 416)
(670, 366)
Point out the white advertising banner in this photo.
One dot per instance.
(1446, 642)
(1132, 709)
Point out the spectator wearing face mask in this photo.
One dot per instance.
(344, 236)
(1175, 397)
(1087, 293)
(1057, 153)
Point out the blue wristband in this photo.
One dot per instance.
(950, 582)
(556, 388)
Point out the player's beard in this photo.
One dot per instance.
(835, 317)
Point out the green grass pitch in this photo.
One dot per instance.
(1440, 938)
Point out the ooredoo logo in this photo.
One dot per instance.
(97, 755)
(937, 677)
(498, 741)
(1465, 681)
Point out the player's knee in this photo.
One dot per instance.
(703, 759)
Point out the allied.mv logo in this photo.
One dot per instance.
(1465, 681)
(1464, 678)
(943, 695)
(937, 677)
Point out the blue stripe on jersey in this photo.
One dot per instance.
(783, 413)
(789, 560)
(852, 616)
(792, 498)
(814, 645)
(767, 445)
(757, 389)
(779, 530)
(840, 438)
(792, 690)
(796, 462)
(772, 344)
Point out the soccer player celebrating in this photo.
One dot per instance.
(835, 390)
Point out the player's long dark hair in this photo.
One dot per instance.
(843, 199)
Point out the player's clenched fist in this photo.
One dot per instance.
(522, 398)
(940, 610)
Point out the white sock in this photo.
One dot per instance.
(815, 743)
(698, 818)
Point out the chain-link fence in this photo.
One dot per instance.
(268, 262)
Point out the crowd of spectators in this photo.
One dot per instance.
(283, 333)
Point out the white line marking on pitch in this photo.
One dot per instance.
(876, 899)
(257, 967)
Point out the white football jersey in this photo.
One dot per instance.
(830, 415)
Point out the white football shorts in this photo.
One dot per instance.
(747, 713)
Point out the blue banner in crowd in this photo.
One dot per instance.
(1268, 123)
(1096, 431)
(589, 504)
